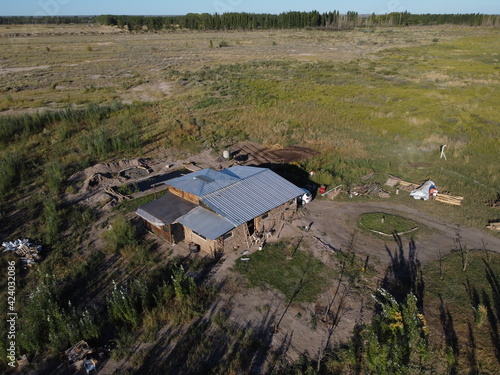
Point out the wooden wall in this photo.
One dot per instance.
(187, 196)
(163, 232)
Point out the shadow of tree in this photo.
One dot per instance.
(493, 325)
(214, 344)
(404, 274)
(450, 335)
(472, 351)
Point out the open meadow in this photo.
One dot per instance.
(368, 102)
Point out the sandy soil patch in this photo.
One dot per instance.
(25, 69)
(148, 92)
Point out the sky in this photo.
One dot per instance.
(176, 7)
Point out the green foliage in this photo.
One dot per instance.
(191, 299)
(125, 303)
(12, 171)
(289, 20)
(395, 342)
(52, 221)
(55, 177)
(120, 235)
(48, 322)
(25, 125)
(207, 102)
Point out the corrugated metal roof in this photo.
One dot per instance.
(237, 194)
(203, 182)
(242, 172)
(165, 210)
(206, 223)
(261, 191)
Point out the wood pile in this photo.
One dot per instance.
(494, 226)
(392, 181)
(408, 186)
(369, 189)
(449, 199)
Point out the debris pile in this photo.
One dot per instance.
(369, 189)
(77, 352)
(424, 191)
(28, 251)
(494, 226)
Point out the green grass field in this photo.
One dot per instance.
(287, 268)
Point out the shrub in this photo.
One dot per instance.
(120, 235)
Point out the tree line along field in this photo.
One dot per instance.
(375, 99)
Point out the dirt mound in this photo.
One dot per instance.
(94, 184)
(250, 153)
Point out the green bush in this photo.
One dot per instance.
(12, 171)
(120, 234)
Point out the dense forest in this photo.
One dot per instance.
(250, 21)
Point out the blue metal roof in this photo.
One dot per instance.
(206, 223)
(242, 172)
(203, 182)
(259, 191)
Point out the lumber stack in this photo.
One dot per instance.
(494, 226)
(449, 199)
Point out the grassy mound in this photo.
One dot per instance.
(386, 224)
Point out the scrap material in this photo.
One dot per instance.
(77, 352)
(408, 186)
(28, 251)
(494, 226)
(393, 181)
(449, 199)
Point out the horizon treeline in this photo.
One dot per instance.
(252, 21)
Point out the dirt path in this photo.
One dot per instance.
(337, 222)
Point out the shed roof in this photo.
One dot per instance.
(203, 182)
(206, 223)
(165, 210)
(259, 191)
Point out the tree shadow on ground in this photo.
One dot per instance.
(214, 344)
(404, 274)
(472, 351)
(450, 335)
(493, 325)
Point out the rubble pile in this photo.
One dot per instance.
(28, 251)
